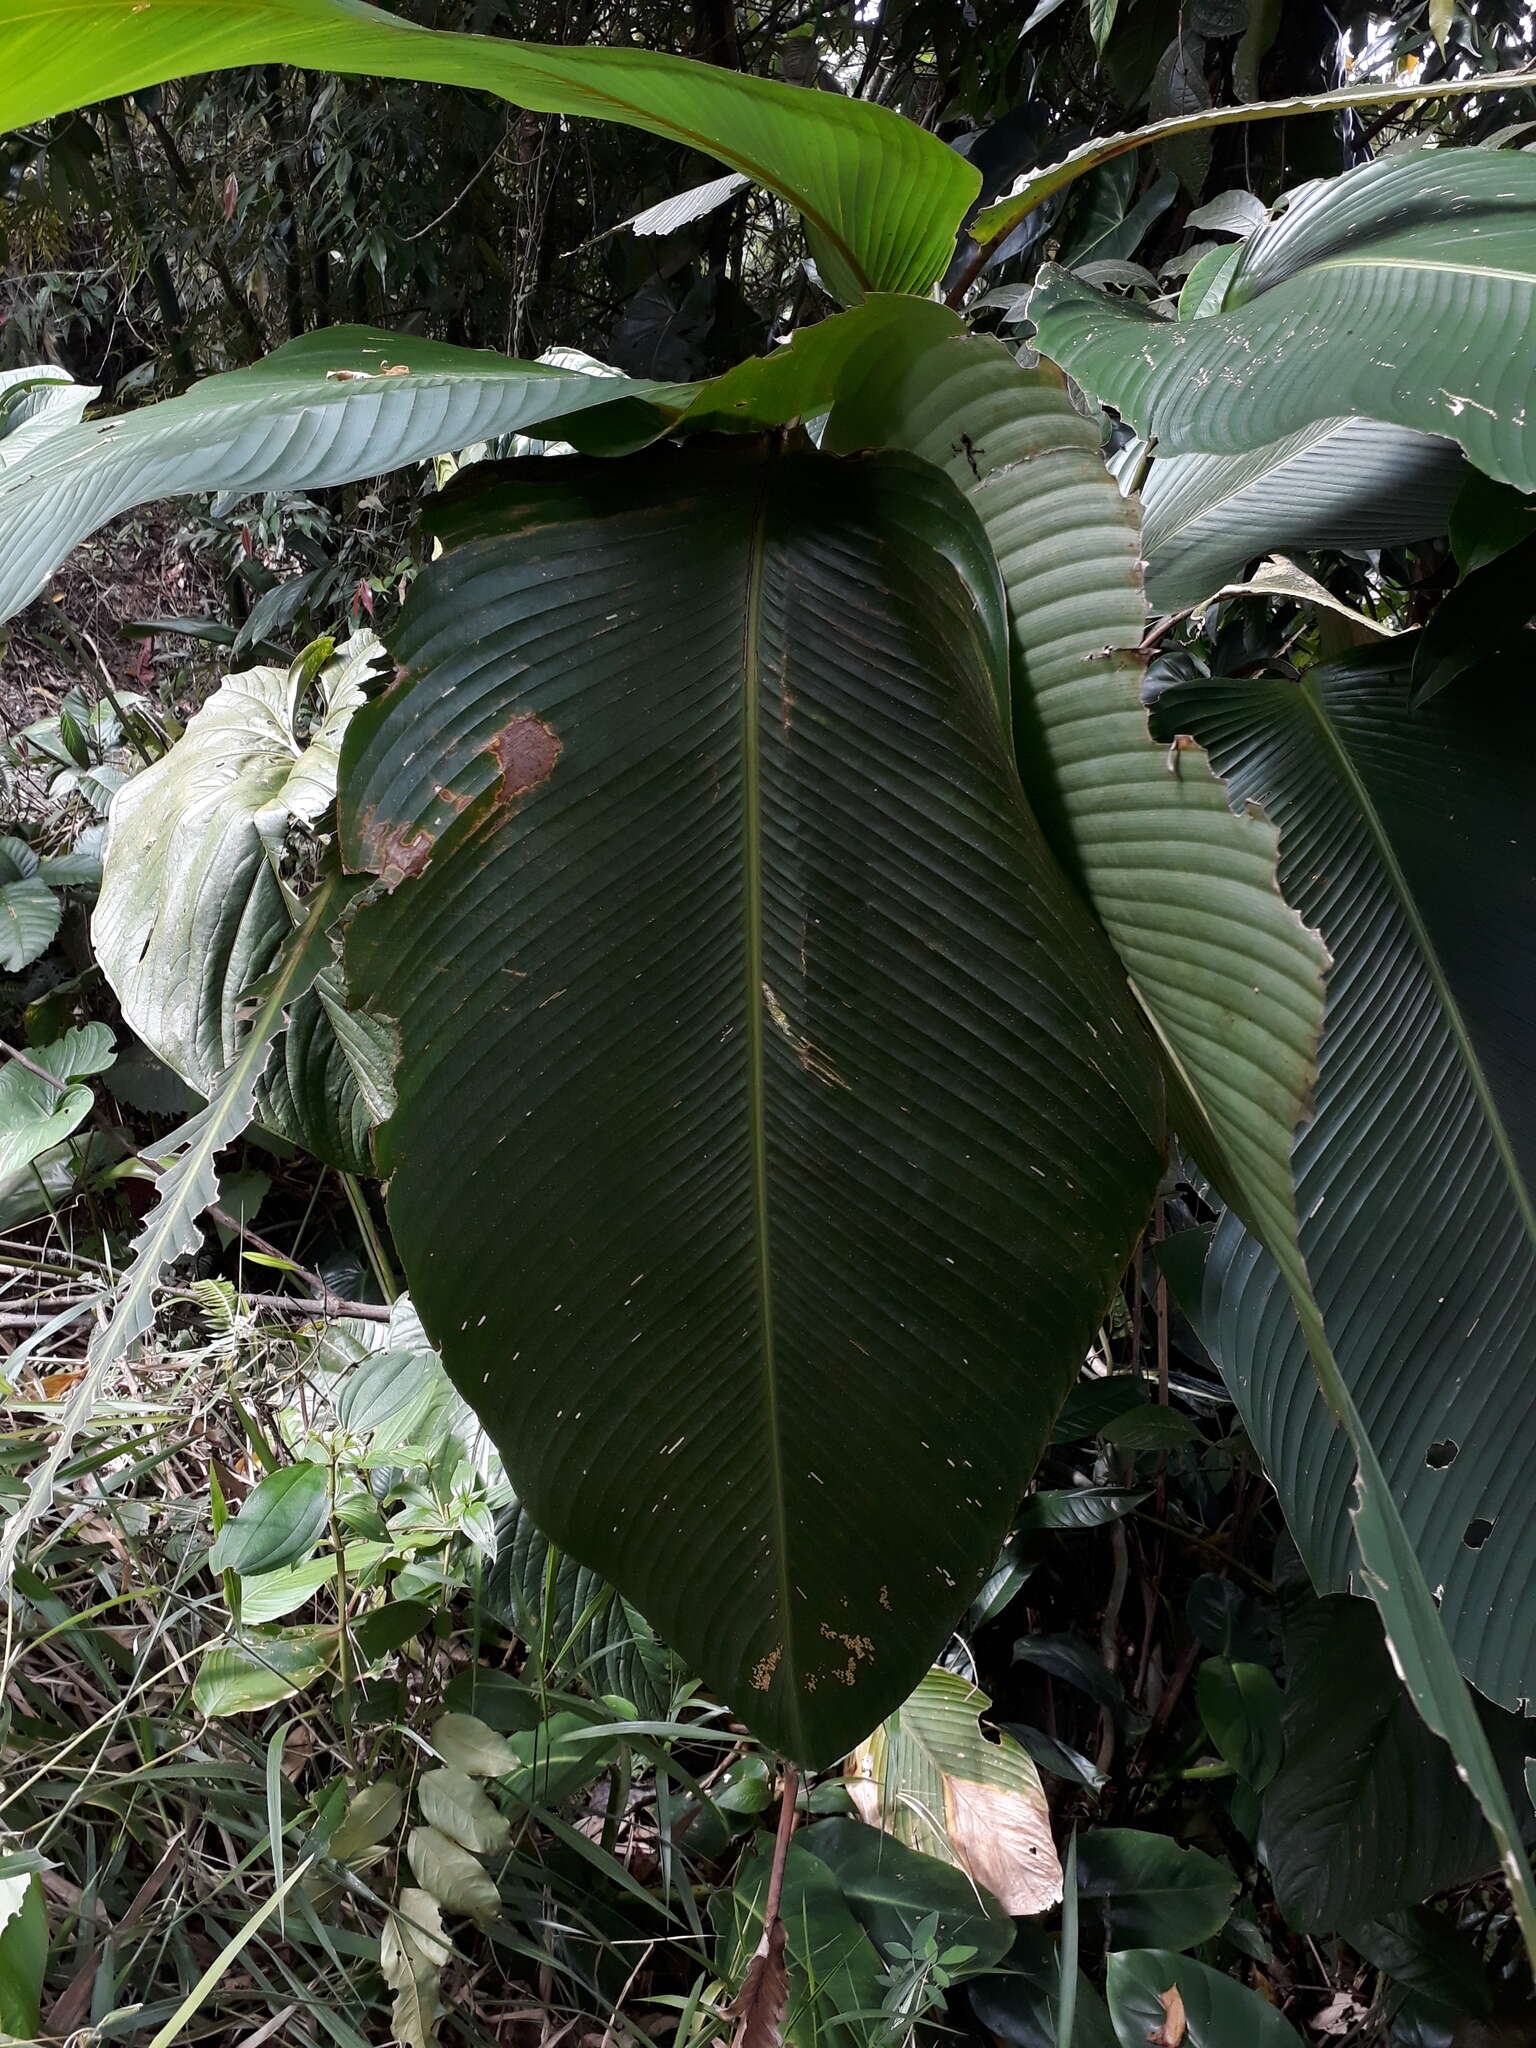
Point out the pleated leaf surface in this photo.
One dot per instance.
(772, 1120)
(1408, 835)
(1338, 484)
(1403, 291)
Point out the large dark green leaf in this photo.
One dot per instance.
(1408, 834)
(1139, 1890)
(881, 197)
(892, 1890)
(761, 1077)
(1192, 907)
(1431, 255)
(1367, 1815)
(1217, 2012)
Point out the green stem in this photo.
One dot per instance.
(373, 1244)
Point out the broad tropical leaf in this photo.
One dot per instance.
(1158, 1996)
(881, 198)
(194, 908)
(1407, 835)
(931, 1778)
(1367, 1814)
(34, 1114)
(36, 402)
(1186, 891)
(351, 402)
(1139, 1888)
(1432, 253)
(1192, 908)
(1338, 484)
(756, 1062)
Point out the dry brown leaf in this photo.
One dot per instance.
(1171, 2033)
(758, 2008)
(930, 1777)
(1005, 1842)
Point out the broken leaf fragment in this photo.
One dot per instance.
(932, 1778)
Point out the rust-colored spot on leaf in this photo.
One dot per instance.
(526, 751)
(395, 853)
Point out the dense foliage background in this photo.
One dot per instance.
(219, 1834)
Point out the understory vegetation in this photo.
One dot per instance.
(767, 1116)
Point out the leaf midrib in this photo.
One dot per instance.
(756, 1002)
(1386, 853)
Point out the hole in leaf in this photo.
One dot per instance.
(1478, 1532)
(1441, 1454)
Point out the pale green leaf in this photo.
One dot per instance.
(458, 1807)
(457, 1880)
(1433, 251)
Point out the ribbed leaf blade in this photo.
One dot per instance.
(1229, 975)
(1430, 254)
(1186, 891)
(1338, 484)
(1407, 836)
(761, 1080)
(350, 402)
(881, 197)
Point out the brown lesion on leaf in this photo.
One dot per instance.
(398, 852)
(395, 853)
(525, 751)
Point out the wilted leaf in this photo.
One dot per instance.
(457, 1880)
(413, 1951)
(1171, 2033)
(930, 1777)
(371, 1817)
(463, 1810)
(467, 1745)
(758, 2008)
